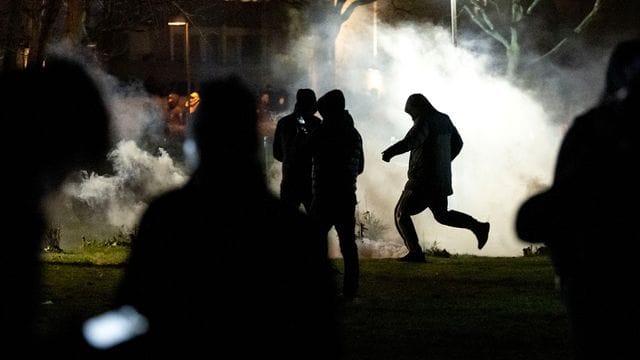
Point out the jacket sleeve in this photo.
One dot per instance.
(414, 138)
(360, 155)
(456, 142)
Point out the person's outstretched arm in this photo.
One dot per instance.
(414, 138)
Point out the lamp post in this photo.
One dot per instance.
(454, 22)
(181, 22)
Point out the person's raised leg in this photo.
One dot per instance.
(460, 220)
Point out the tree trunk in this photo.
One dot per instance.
(323, 67)
(41, 27)
(74, 21)
(513, 54)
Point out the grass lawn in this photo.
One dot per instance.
(458, 308)
(463, 307)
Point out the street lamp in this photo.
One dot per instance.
(454, 22)
(182, 22)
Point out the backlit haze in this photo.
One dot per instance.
(511, 136)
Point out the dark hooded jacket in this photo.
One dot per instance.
(290, 144)
(434, 142)
(336, 148)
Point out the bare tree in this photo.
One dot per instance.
(30, 27)
(504, 24)
(74, 22)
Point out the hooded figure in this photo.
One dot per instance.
(586, 213)
(290, 146)
(434, 142)
(270, 288)
(338, 159)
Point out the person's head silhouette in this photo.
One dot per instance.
(224, 128)
(331, 107)
(64, 130)
(306, 102)
(417, 104)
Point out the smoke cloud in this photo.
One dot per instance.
(511, 134)
(98, 206)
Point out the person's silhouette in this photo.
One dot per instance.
(290, 146)
(216, 267)
(48, 135)
(433, 142)
(338, 159)
(586, 217)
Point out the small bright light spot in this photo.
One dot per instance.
(114, 327)
(191, 153)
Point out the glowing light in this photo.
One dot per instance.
(114, 327)
(180, 22)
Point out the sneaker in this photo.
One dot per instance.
(413, 257)
(482, 233)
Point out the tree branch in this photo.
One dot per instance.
(516, 12)
(532, 6)
(589, 17)
(578, 29)
(340, 4)
(347, 13)
(494, 34)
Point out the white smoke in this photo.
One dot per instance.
(135, 114)
(510, 137)
(96, 206)
(99, 206)
(138, 177)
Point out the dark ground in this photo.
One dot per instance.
(458, 308)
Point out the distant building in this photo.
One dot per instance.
(242, 37)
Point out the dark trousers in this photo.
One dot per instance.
(292, 196)
(413, 202)
(342, 216)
